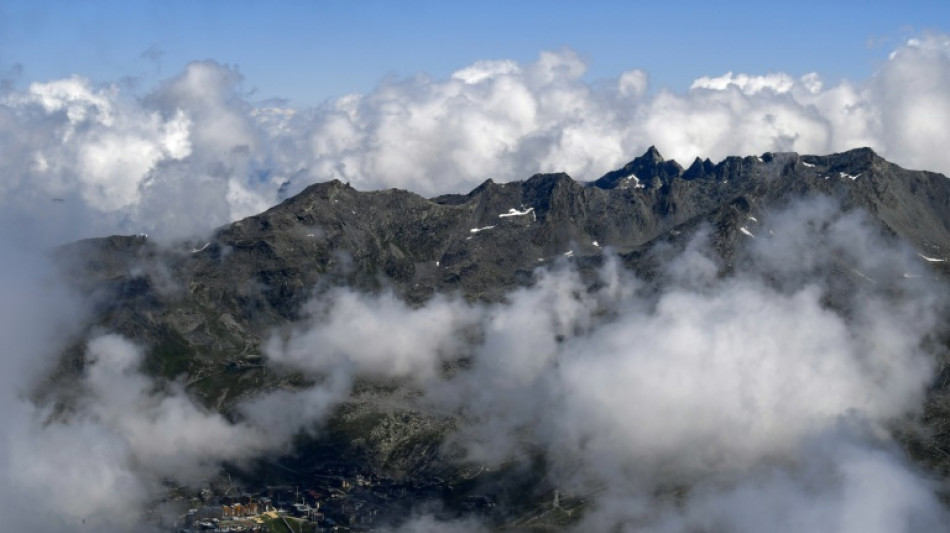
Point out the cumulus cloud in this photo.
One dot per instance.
(195, 152)
(505, 120)
(95, 160)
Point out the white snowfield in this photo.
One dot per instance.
(807, 164)
(515, 213)
(931, 259)
(746, 232)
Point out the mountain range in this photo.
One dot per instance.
(204, 309)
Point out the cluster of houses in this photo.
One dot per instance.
(338, 501)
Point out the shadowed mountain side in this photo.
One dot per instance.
(204, 304)
(203, 309)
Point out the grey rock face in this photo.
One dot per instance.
(211, 301)
(203, 308)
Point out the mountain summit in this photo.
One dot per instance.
(257, 272)
(642, 172)
(204, 310)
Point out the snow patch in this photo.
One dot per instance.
(196, 250)
(746, 232)
(595, 243)
(931, 259)
(753, 219)
(807, 164)
(637, 184)
(476, 230)
(515, 213)
(846, 175)
(569, 253)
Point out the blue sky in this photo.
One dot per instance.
(307, 51)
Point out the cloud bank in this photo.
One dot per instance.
(194, 152)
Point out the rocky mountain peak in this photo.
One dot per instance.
(699, 169)
(652, 155)
(647, 171)
(260, 270)
(206, 310)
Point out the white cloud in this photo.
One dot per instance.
(378, 336)
(102, 463)
(777, 83)
(506, 121)
(74, 96)
(485, 70)
(166, 433)
(96, 143)
(842, 487)
(125, 161)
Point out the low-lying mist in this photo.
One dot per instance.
(758, 391)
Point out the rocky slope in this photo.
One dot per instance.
(210, 300)
(203, 308)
